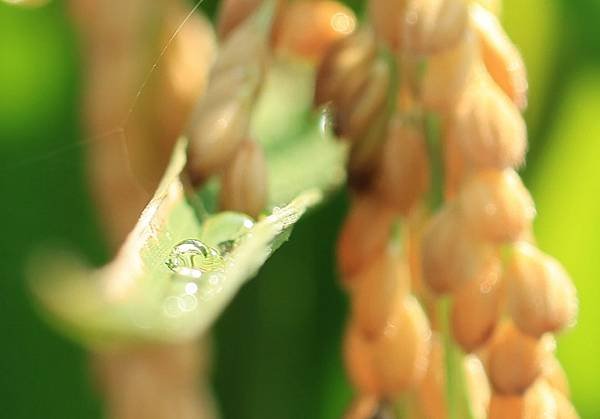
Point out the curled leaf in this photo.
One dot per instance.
(141, 294)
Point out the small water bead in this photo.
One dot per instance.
(199, 265)
(286, 216)
(226, 246)
(192, 258)
(226, 230)
(326, 121)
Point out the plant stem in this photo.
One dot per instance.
(155, 382)
(457, 397)
(121, 42)
(431, 126)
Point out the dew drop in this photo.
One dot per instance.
(192, 258)
(226, 246)
(326, 121)
(226, 231)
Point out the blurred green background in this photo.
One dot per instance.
(278, 344)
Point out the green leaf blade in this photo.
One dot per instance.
(137, 297)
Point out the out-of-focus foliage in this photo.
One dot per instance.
(36, 70)
(534, 27)
(277, 345)
(567, 190)
(300, 148)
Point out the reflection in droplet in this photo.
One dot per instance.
(191, 258)
(326, 121)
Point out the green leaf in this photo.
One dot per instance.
(137, 296)
(181, 266)
(457, 395)
(535, 28)
(566, 188)
(301, 151)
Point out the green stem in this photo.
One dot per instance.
(431, 126)
(401, 408)
(457, 396)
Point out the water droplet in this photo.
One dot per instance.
(192, 258)
(326, 121)
(284, 216)
(226, 246)
(226, 230)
